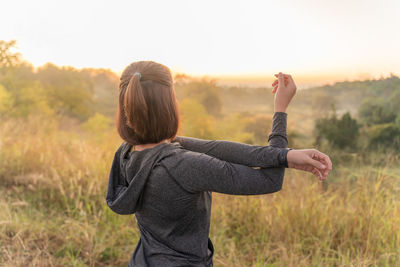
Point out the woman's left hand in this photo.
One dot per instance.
(284, 89)
(310, 160)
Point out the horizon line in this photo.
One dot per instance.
(303, 79)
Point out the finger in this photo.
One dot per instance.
(317, 173)
(291, 79)
(328, 161)
(275, 88)
(302, 167)
(325, 158)
(328, 168)
(286, 79)
(317, 164)
(325, 173)
(320, 175)
(281, 80)
(284, 76)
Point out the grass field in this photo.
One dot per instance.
(53, 210)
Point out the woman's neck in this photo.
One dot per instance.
(146, 146)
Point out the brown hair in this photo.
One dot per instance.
(147, 108)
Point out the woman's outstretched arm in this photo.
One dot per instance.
(197, 172)
(245, 154)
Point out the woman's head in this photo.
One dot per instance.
(147, 108)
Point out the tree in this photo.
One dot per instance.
(340, 133)
(376, 111)
(384, 136)
(204, 90)
(69, 91)
(20, 92)
(195, 120)
(7, 57)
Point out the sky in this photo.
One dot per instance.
(317, 41)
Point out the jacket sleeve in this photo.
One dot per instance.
(197, 172)
(245, 154)
(278, 136)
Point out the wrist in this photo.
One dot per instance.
(285, 160)
(278, 108)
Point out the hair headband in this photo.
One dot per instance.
(138, 73)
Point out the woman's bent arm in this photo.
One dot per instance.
(197, 172)
(278, 136)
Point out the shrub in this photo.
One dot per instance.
(340, 133)
(374, 111)
(384, 136)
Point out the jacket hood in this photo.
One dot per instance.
(130, 172)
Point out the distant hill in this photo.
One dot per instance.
(349, 95)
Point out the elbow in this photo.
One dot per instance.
(278, 140)
(282, 144)
(277, 188)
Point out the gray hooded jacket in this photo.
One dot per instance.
(168, 188)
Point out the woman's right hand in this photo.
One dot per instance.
(310, 160)
(284, 89)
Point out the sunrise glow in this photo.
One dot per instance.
(312, 39)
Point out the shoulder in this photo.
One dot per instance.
(122, 149)
(188, 161)
(178, 154)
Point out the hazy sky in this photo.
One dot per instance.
(326, 38)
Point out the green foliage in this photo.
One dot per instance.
(205, 91)
(382, 125)
(105, 90)
(376, 111)
(385, 136)
(69, 91)
(8, 58)
(348, 96)
(398, 120)
(31, 100)
(260, 126)
(231, 127)
(196, 121)
(6, 100)
(50, 90)
(244, 127)
(340, 133)
(382, 118)
(97, 124)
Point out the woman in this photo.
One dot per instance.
(167, 180)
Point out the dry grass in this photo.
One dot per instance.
(53, 212)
